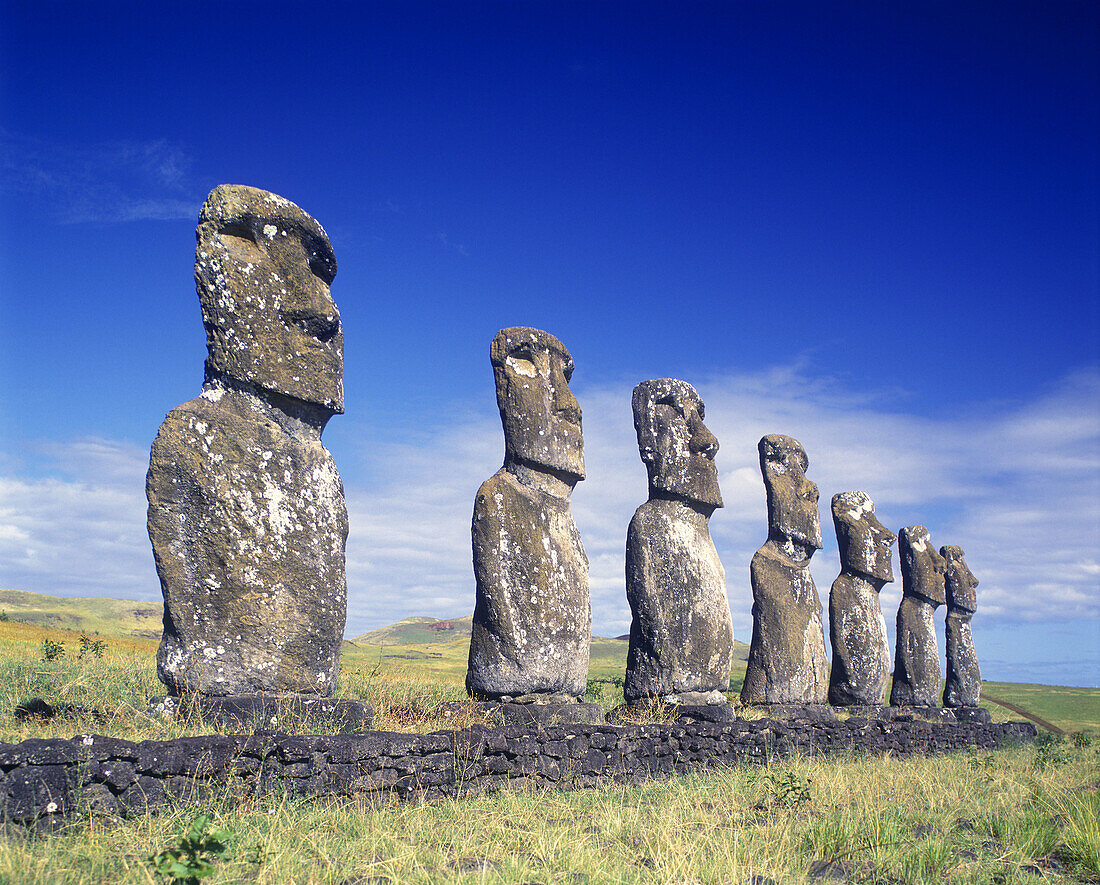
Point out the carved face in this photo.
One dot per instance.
(675, 444)
(866, 545)
(263, 269)
(792, 498)
(922, 568)
(541, 417)
(960, 582)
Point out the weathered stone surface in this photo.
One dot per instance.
(963, 687)
(857, 630)
(263, 268)
(543, 714)
(532, 617)
(916, 658)
(246, 509)
(253, 712)
(787, 662)
(681, 635)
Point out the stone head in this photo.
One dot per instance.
(263, 268)
(792, 498)
(922, 569)
(866, 545)
(541, 417)
(677, 448)
(960, 581)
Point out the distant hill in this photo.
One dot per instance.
(127, 617)
(424, 630)
(108, 617)
(418, 631)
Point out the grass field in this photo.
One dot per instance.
(1022, 815)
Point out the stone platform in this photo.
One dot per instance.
(264, 712)
(43, 782)
(541, 714)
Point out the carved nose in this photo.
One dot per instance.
(565, 404)
(315, 314)
(704, 442)
(321, 325)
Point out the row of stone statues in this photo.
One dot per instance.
(248, 523)
(531, 620)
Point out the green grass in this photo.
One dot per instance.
(1022, 815)
(880, 820)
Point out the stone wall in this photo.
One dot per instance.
(43, 781)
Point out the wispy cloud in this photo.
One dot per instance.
(1018, 487)
(447, 243)
(109, 181)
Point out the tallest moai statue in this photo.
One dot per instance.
(246, 509)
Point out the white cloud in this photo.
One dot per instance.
(81, 530)
(1017, 488)
(108, 181)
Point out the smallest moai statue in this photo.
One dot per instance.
(916, 659)
(681, 635)
(857, 630)
(964, 679)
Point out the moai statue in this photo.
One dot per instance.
(787, 662)
(916, 659)
(857, 630)
(964, 679)
(532, 618)
(246, 509)
(681, 635)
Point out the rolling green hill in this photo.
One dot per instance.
(110, 617)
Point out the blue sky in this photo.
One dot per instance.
(873, 227)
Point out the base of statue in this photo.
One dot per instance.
(903, 714)
(686, 713)
(973, 714)
(267, 712)
(534, 710)
(803, 712)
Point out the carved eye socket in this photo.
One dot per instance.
(321, 260)
(567, 370)
(240, 239)
(522, 362)
(673, 403)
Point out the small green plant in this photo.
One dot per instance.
(1049, 754)
(787, 789)
(1081, 740)
(91, 647)
(594, 690)
(193, 857)
(4, 616)
(51, 650)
